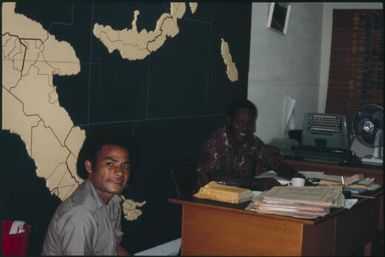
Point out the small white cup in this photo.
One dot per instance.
(297, 182)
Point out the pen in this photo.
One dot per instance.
(342, 178)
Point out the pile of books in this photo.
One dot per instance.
(300, 202)
(327, 180)
(365, 187)
(224, 193)
(358, 186)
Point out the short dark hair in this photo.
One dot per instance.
(242, 104)
(95, 140)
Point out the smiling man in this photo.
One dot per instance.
(234, 155)
(89, 221)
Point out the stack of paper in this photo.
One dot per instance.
(224, 193)
(301, 202)
(356, 184)
(363, 185)
(329, 180)
(294, 210)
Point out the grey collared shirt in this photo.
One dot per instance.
(84, 225)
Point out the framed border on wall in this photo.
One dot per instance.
(278, 17)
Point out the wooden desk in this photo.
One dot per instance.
(335, 169)
(344, 170)
(209, 228)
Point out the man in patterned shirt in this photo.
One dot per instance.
(234, 155)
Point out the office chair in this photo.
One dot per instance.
(183, 175)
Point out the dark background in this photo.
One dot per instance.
(168, 102)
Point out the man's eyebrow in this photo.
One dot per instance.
(112, 158)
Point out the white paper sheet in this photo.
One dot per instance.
(289, 114)
(273, 174)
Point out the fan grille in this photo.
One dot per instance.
(367, 123)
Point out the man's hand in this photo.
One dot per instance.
(285, 171)
(307, 181)
(299, 175)
(120, 251)
(262, 184)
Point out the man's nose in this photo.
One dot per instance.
(119, 169)
(244, 126)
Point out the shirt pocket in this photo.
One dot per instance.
(105, 244)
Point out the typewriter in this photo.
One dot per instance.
(325, 138)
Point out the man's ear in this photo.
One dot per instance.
(88, 166)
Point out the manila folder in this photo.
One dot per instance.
(224, 193)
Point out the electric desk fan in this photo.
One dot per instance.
(368, 128)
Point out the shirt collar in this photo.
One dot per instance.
(114, 200)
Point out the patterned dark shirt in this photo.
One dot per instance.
(245, 160)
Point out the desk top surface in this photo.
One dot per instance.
(355, 165)
(336, 169)
(241, 208)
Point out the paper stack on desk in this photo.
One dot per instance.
(365, 186)
(224, 193)
(328, 180)
(356, 185)
(301, 202)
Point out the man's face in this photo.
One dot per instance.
(111, 171)
(242, 125)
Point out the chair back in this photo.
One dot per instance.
(183, 175)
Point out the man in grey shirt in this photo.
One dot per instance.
(89, 221)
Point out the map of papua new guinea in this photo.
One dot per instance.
(31, 57)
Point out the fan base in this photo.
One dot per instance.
(370, 160)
